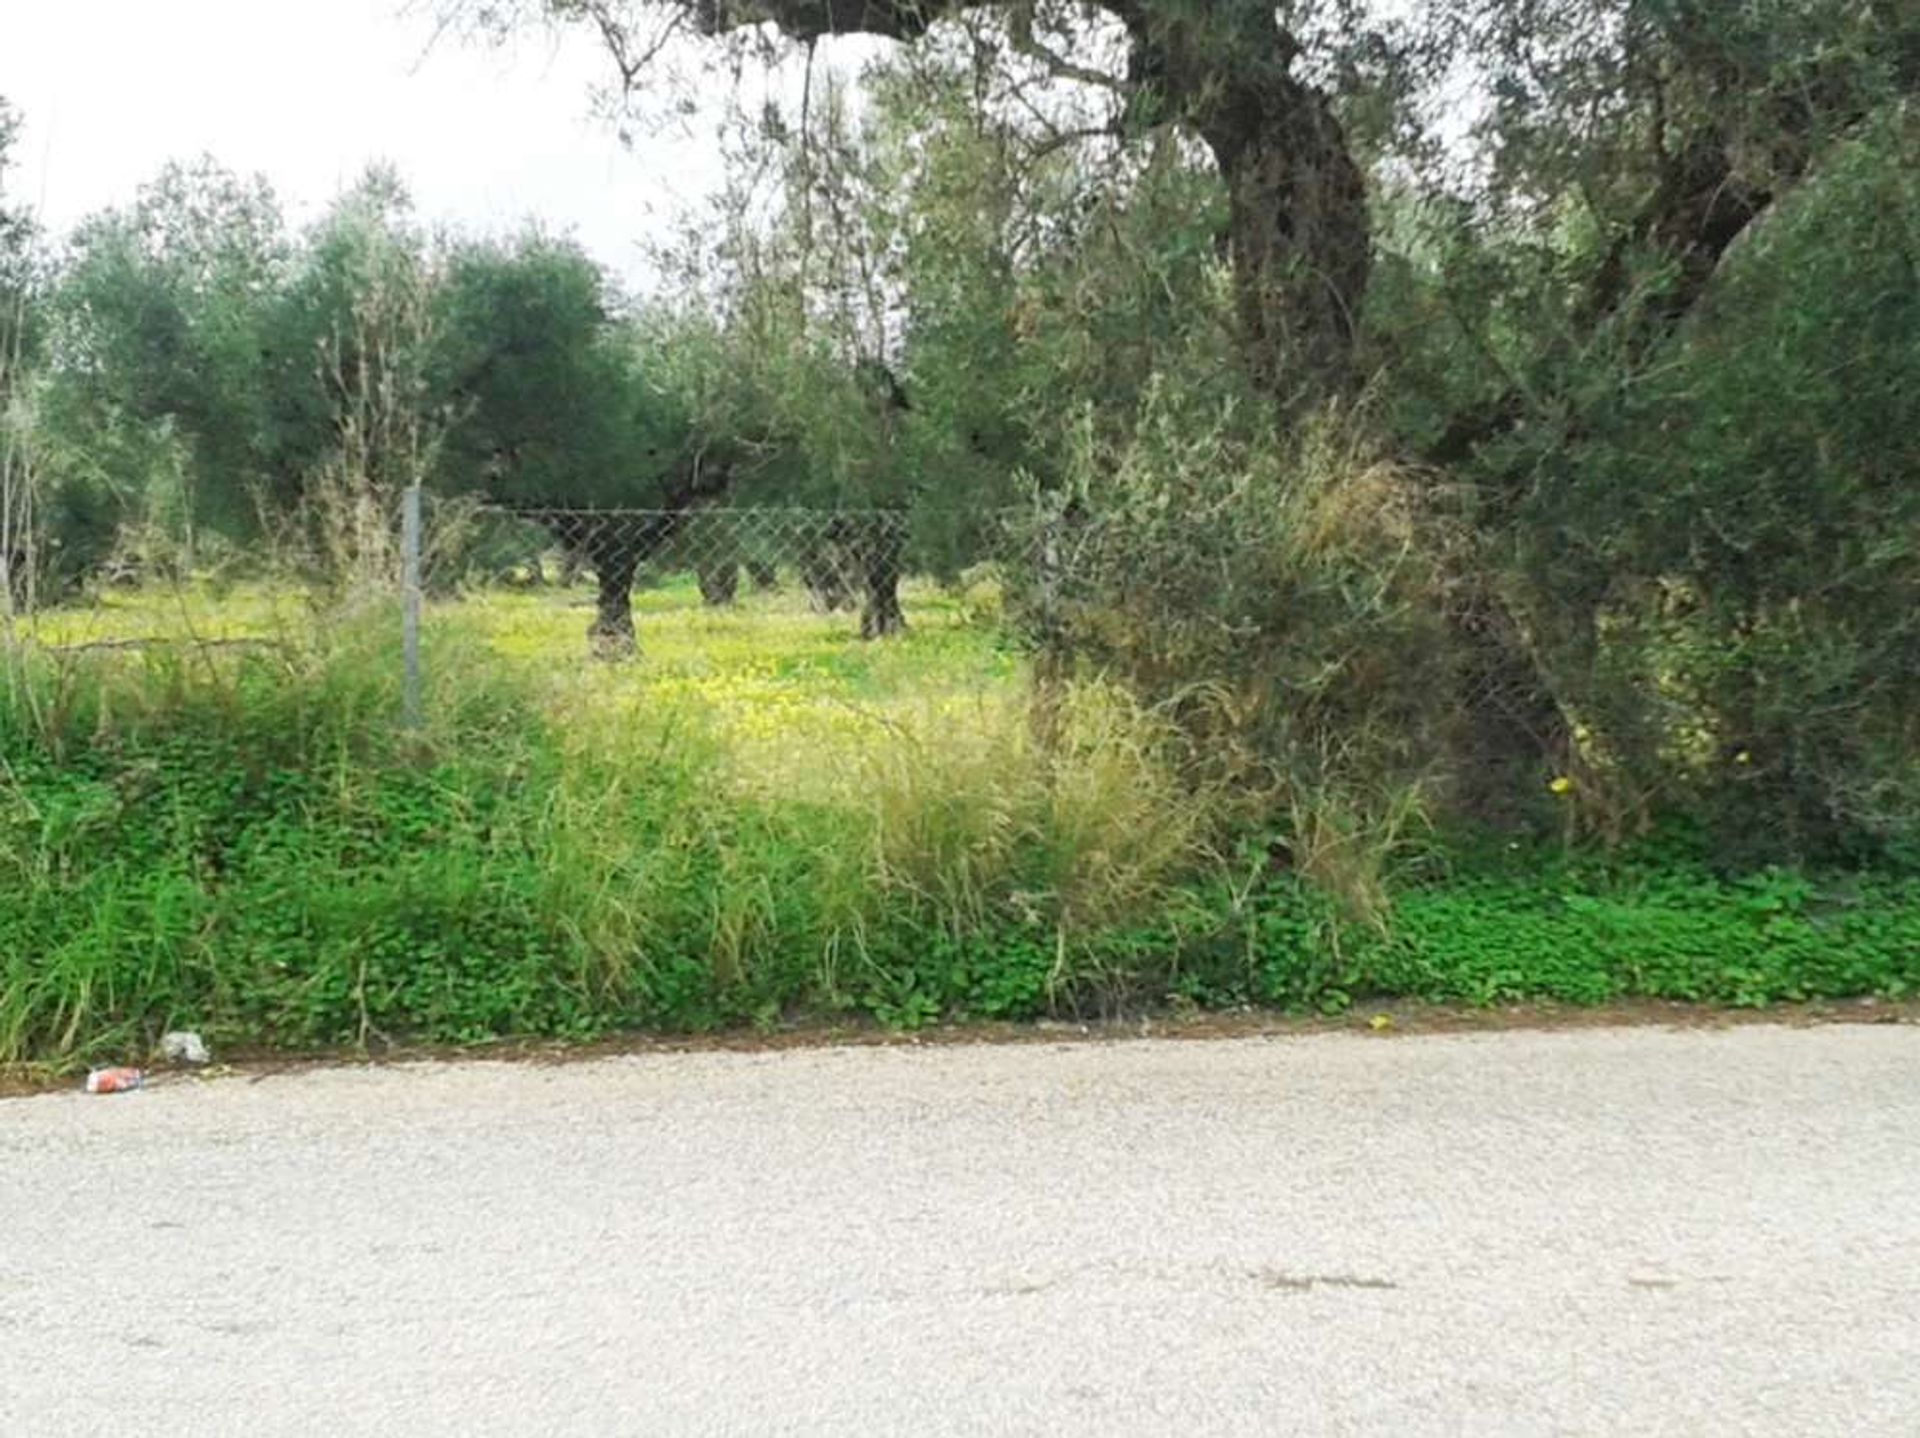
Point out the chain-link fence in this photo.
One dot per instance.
(843, 576)
(1264, 639)
(840, 561)
(775, 577)
(798, 647)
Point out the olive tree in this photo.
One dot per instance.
(564, 404)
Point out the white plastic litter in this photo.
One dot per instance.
(185, 1048)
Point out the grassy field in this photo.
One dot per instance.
(210, 816)
(794, 698)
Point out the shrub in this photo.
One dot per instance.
(1283, 605)
(1719, 573)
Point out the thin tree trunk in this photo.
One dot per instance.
(882, 552)
(719, 584)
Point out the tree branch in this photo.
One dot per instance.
(1060, 139)
(1026, 43)
(817, 19)
(619, 42)
(1699, 207)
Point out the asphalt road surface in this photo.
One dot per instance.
(1606, 1232)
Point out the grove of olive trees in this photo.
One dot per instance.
(1412, 400)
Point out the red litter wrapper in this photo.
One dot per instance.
(115, 1080)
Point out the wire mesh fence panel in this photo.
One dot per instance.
(863, 564)
(806, 645)
(841, 557)
(790, 634)
(80, 583)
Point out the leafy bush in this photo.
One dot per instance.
(1674, 932)
(1718, 568)
(1285, 606)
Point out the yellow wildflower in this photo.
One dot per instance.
(1561, 784)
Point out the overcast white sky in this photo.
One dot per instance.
(307, 92)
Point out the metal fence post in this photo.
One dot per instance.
(1049, 670)
(410, 601)
(1050, 576)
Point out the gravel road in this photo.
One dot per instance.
(1608, 1232)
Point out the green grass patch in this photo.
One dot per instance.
(762, 819)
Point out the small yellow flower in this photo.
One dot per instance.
(1561, 784)
(1743, 757)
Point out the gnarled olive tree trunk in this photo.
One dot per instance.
(611, 634)
(883, 544)
(615, 546)
(1299, 237)
(719, 582)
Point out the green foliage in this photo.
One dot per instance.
(160, 327)
(347, 344)
(246, 842)
(1667, 931)
(1284, 603)
(553, 403)
(19, 339)
(1645, 924)
(1722, 570)
(1627, 503)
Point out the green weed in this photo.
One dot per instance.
(242, 839)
